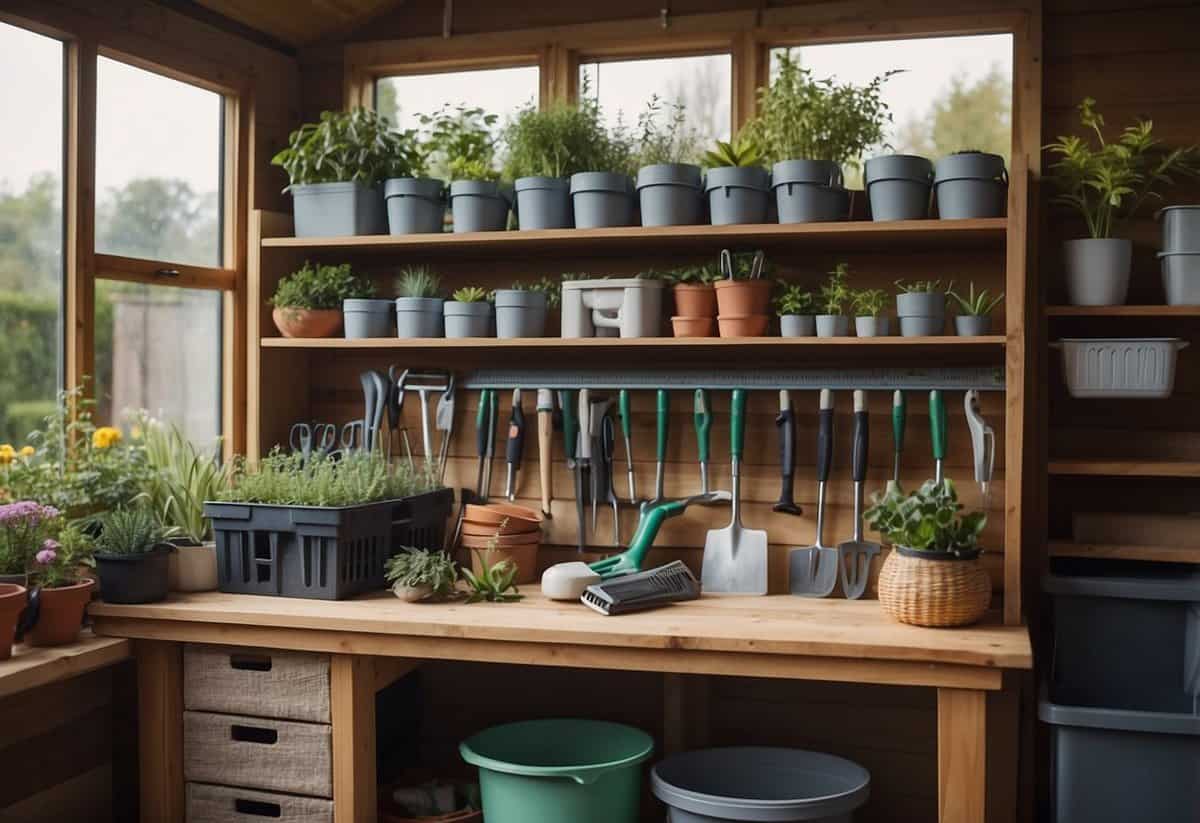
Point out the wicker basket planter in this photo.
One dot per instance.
(925, 588)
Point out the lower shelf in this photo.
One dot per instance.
(1124, 468)
(1162, 554)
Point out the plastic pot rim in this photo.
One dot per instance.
(582, 774)
(134, 557)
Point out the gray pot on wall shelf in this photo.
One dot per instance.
(832, 325)
(737, 194)
(601, 199)
(415, 205)
(1181, 277)
(419, 317)
(337, 209)
(479, 205)
(1181, 228)
(809, 191)
(670, 194)
(921, 314)
(467, 319)
(543, 203)
(363, 318)
(797, 325)
(867, 326)
(973, 325)
(898, 186)
(970, 185)
(520, 313)
(1097, 271)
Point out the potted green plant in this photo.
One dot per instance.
(468, 313)
(132, 551)
(669, 185)
(309, 301)
(869, 308)
(521, 309)
(416, 204)
(970, 184)
(602, 196)
(741, 294)
(836, 297)
(695, 299)
(58, 594)
(921, 307)
(491, 580)
(26, 528)
(1106, 184)
(421, 574)
(737, 186)
(975, 315)
(898, 186)
(797, 311)
(462, 146)
(932, 576)
(336, 168)
(419, 310)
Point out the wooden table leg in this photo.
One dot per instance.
(160, 730)
(352, 703)
(962, 755)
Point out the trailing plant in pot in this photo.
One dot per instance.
(836, 297)
(869, 308)
(921, 307)
(737, 186)
(308, 302)
(419, 309)
(668, 180)
(797, 311)
(695, 299)
(975, 311)
(421, 574)
(132, 549)
(58, 594)
(932, 576)
(461, 144)
(468, 313)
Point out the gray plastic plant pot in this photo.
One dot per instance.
(419, 317)
(1181, 277)
(600, 199)
(759, 783)
(973, 325)
(970, 185)
(520, 313)
(898, 187)
(918, 326)
(543, 203)
(872, 326)
(1181, 228)
(670, 194)
(832, 325)
(810, 203)
(1097, 270)
(797, 325)
(337, 210)
(921, 303)
(363, 318)
(737, 195)
(479, 205)
(415, 205)
(467, 319)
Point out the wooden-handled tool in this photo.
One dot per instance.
(545, 417)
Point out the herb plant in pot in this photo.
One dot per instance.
(521, 310)
(898, 186)
(468, 313)
(58, 594)
(1106, 184)
(309, 302)
(419, 311)
(462, 146)
(669, 187)
(416, 204)
(421, 574)
(975, 311)
(932, 576)
(836, 297)
(921, 307)
(695, 300)
(738, 187)
(797, 311)
(603, 196)
(869, 317)
(970, 184)
(132, 556)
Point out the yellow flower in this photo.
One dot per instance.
(106, 436)
(7, 453)
(28, 451)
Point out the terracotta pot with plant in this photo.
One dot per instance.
(741, 290)
(693, 289)
(835, 302)
(59, 594)
(12, 603)
(308, 302)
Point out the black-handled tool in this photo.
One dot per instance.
(516, 445)
(786, 423)
(855, 555)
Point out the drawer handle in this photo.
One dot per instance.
(250, 662)
(253, 734)
(258, 808)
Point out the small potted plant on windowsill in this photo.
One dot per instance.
(419, 310)
(835, 300)
(58, 594)
(797, 311)
(462, 146)
(921, 307)
(132, 552)
(669, 184)
(738, 187)
(975, 316)
(25, 529)
(932, 576)
(468, 313)
(309, 301)
(869, 308)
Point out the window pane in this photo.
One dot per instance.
(158, 167)
(702, 84)
(402, 99)
(159, 348)
(31, 230)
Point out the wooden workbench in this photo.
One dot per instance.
(375, 639)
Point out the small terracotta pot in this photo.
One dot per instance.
(752, 325)
(737, 298)
(519, 517)
(12, 601)
(60, 614)
(503, 541)
(514, 527)
(308, 322)
(692, 326)
(693, 300)
(524, 556)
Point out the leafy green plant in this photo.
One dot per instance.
(470, 294)
(358, 145)
(663, 135)
(324, 480)
(418, 281)
(564, 139)
(793, 299)
(928, 519)
(923, 286)
(980, 304)
(181, 479)
(870, 302)
(318, 286)
(701, 274)
(1107, 183)
(494, 583)
(836, 294)
(57, 563)
(461, 143)
(25, 528)
(132, 530)
(741, 151)
(416, 568)
(803, 118)
(551, 287)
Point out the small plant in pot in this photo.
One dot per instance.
(461, 146)
(603, 196)
(309, 302)
(932, 576)
(419, 310)
(421, 574)
(695, 299)
(26, 528)
(738, 187)
(132, 551)
(836, 297)
(59, 593)
(869, 308)
(416, 204)
(1106, 184)
(797, 311)
(975, 311)
(921, 307)
(669, 184)
(521, 308)
(468, 313)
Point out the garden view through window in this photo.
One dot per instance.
(402, 99)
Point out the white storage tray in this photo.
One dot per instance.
(1141, 367)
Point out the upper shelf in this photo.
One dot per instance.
(1123, 311)
(849, 236)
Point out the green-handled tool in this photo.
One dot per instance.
(702, 409)
(662, 430)
(623, 410)
(937, 434)
(899, 412)
(651, 519)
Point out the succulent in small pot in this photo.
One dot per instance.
(932, 576)
(418, 308)
(836, 297)
(669, 185)
(495, 580)
(132, 551)
(308, 302)
(461, 147)
(469, 313)
(521, 308)
(797, 311)
(975, 311)
(869, 308)
(420, 574)
(738, 187)
(693, 289)
(58, 594)
(921, 307)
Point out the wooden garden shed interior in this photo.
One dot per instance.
(945, 721)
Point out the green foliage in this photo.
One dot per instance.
(968, 113)
(929, 519)
(793, 299)
(1108, 183)
(412, 568)
(471, 294)
(551, 287)
(325, 480)
(461, 144)
(742, 151)
(564, 139)
(72, 548)
(701, 274)
(182, 478)
(802, 118)
(836, 294)
(133, 530)
(29, 340)
(923, 286)
(976, 304)
(358, 145)
(317, 286)
(870, 302)
(494, 583)
(418, 281)
(663, 135)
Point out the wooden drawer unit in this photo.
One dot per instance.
(223, 804)
(258, 753)
(256, 682)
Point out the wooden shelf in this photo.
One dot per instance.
(1126, 468)
(31, 666)
(1168, 554)
(1123, 311)
(992, 344)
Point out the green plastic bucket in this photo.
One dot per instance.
(553, 771)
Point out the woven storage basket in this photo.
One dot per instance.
(941, 590)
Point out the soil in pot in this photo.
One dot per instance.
(670, 194)
(12, 602)
(134, 578)
(193, 568)
(293, 322)
(415, 205)
(419, 317)
(692, 300)
(898, 186)
(749, 325)
(872, 326)
(797, 325)
(970, 185)
(1098, 271)
(973, 325)
(737, 298)
(543, 203)
(832, 325)
(520, 313)
(467, 319)
(737, 195)
(601, 200)
(692, 326)
(479, 205)
(366, 318)
(60, 614)
(337, 209)
(933, 588)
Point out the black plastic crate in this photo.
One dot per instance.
(321, 552)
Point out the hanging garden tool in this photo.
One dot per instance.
(786, 423)
(623, 409)
(395, 412)
(597, 469)
(983, 444)
(899, 412)
(515, 447)
(545, 418)
(937, 434)
(662, 430)
(813, 570)
(583, 455)
(735, 558)
(854, 555)
(380, 385)
(702, 412)
(607, 459)
(485, 430)
(425, 383)
(443, 421)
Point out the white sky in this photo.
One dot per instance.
(498, 91)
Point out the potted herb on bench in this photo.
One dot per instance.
(132, 556)
(309, 302)
(59, 593)
(26, 528)
(869, 308)
(921, 307)
(835, 300)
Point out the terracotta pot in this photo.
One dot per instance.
(514, 527)
(752, 325)
(308, 322)
(478, 541)
(60, 614)
(495, 514)
(736, 298)
(12, 601)
(692, 326)
(524, 556)
(692, 300)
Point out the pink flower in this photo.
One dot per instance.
(47, 555)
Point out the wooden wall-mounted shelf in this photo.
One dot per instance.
(1167, 554)
(1123, 311)
(992, 344)
(1125, 468)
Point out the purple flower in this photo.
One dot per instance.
(46, 556)
(26, 513)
